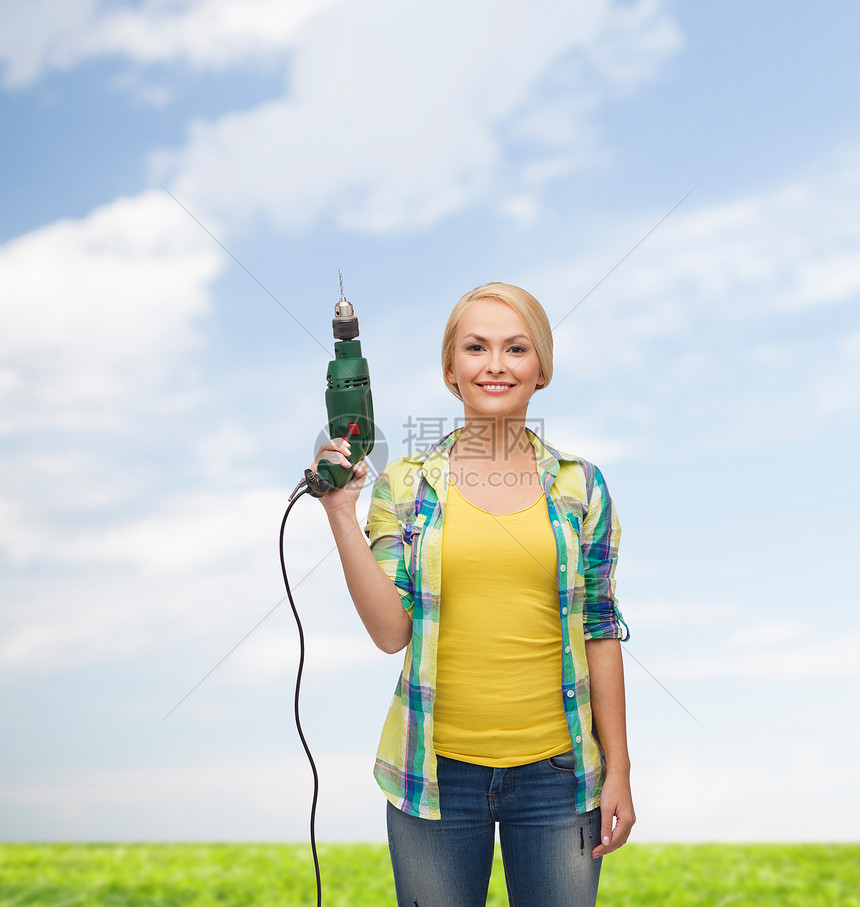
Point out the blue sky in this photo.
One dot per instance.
(157, 406)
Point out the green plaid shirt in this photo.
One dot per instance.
(405, 523)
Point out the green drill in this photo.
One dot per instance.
(347, 400)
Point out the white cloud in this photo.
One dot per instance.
(207, 34)
(773, 660)
(395, 118)
(98, 310)
(34, 35)
(89, 618)
(198, 566)
(257, 797)
(774, 648)
(522, 208)
(733, 262)
(188, 533)
(43, 35)
(791, 248)
(742, 794)
(771, 633)
(850, 344)
(573, 437)
(674, 613)
(224, 450)
(272, 657)
(717, 329)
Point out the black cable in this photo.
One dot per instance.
(295, 496)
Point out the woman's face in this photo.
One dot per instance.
(495, 365)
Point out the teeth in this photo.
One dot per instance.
(496, 387)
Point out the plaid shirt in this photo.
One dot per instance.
(405, 522)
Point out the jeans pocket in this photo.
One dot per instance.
(563, 762)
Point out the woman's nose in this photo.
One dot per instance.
(496, 363)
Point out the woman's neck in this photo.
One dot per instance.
(502, 440)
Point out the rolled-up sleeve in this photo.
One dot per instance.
(601, 533)
(385, 532)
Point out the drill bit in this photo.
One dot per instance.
(345, 324)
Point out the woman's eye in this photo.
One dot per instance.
(519, 349)
(474, 347)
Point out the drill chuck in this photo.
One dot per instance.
(344, 327)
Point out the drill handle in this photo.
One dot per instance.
(330, 475)
(350, 416)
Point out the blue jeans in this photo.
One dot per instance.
(546, 845)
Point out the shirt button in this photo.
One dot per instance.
(563, 567)
(564, 610)
(570, 696)
(567, 649)
(555, 522)
(578, 739)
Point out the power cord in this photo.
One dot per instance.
(293, 498)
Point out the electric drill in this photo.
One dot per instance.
(347, 400)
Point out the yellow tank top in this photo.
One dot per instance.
(498, 681)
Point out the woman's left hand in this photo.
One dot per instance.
(616, 803)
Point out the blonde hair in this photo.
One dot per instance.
(531, 314)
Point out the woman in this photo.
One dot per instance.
(498, 556)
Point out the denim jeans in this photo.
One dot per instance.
(546, 845)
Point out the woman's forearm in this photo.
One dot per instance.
(606, 674)
(375, 596)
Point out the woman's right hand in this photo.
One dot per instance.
(341, 499)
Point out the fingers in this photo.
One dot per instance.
(607, 814)
(359, 474)
(613, 838)
(606, 817)
(335, 451)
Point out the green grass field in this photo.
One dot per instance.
(359, 875)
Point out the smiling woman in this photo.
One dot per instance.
(498, 555)
(521, 306)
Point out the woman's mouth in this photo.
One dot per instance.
(495, 388)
